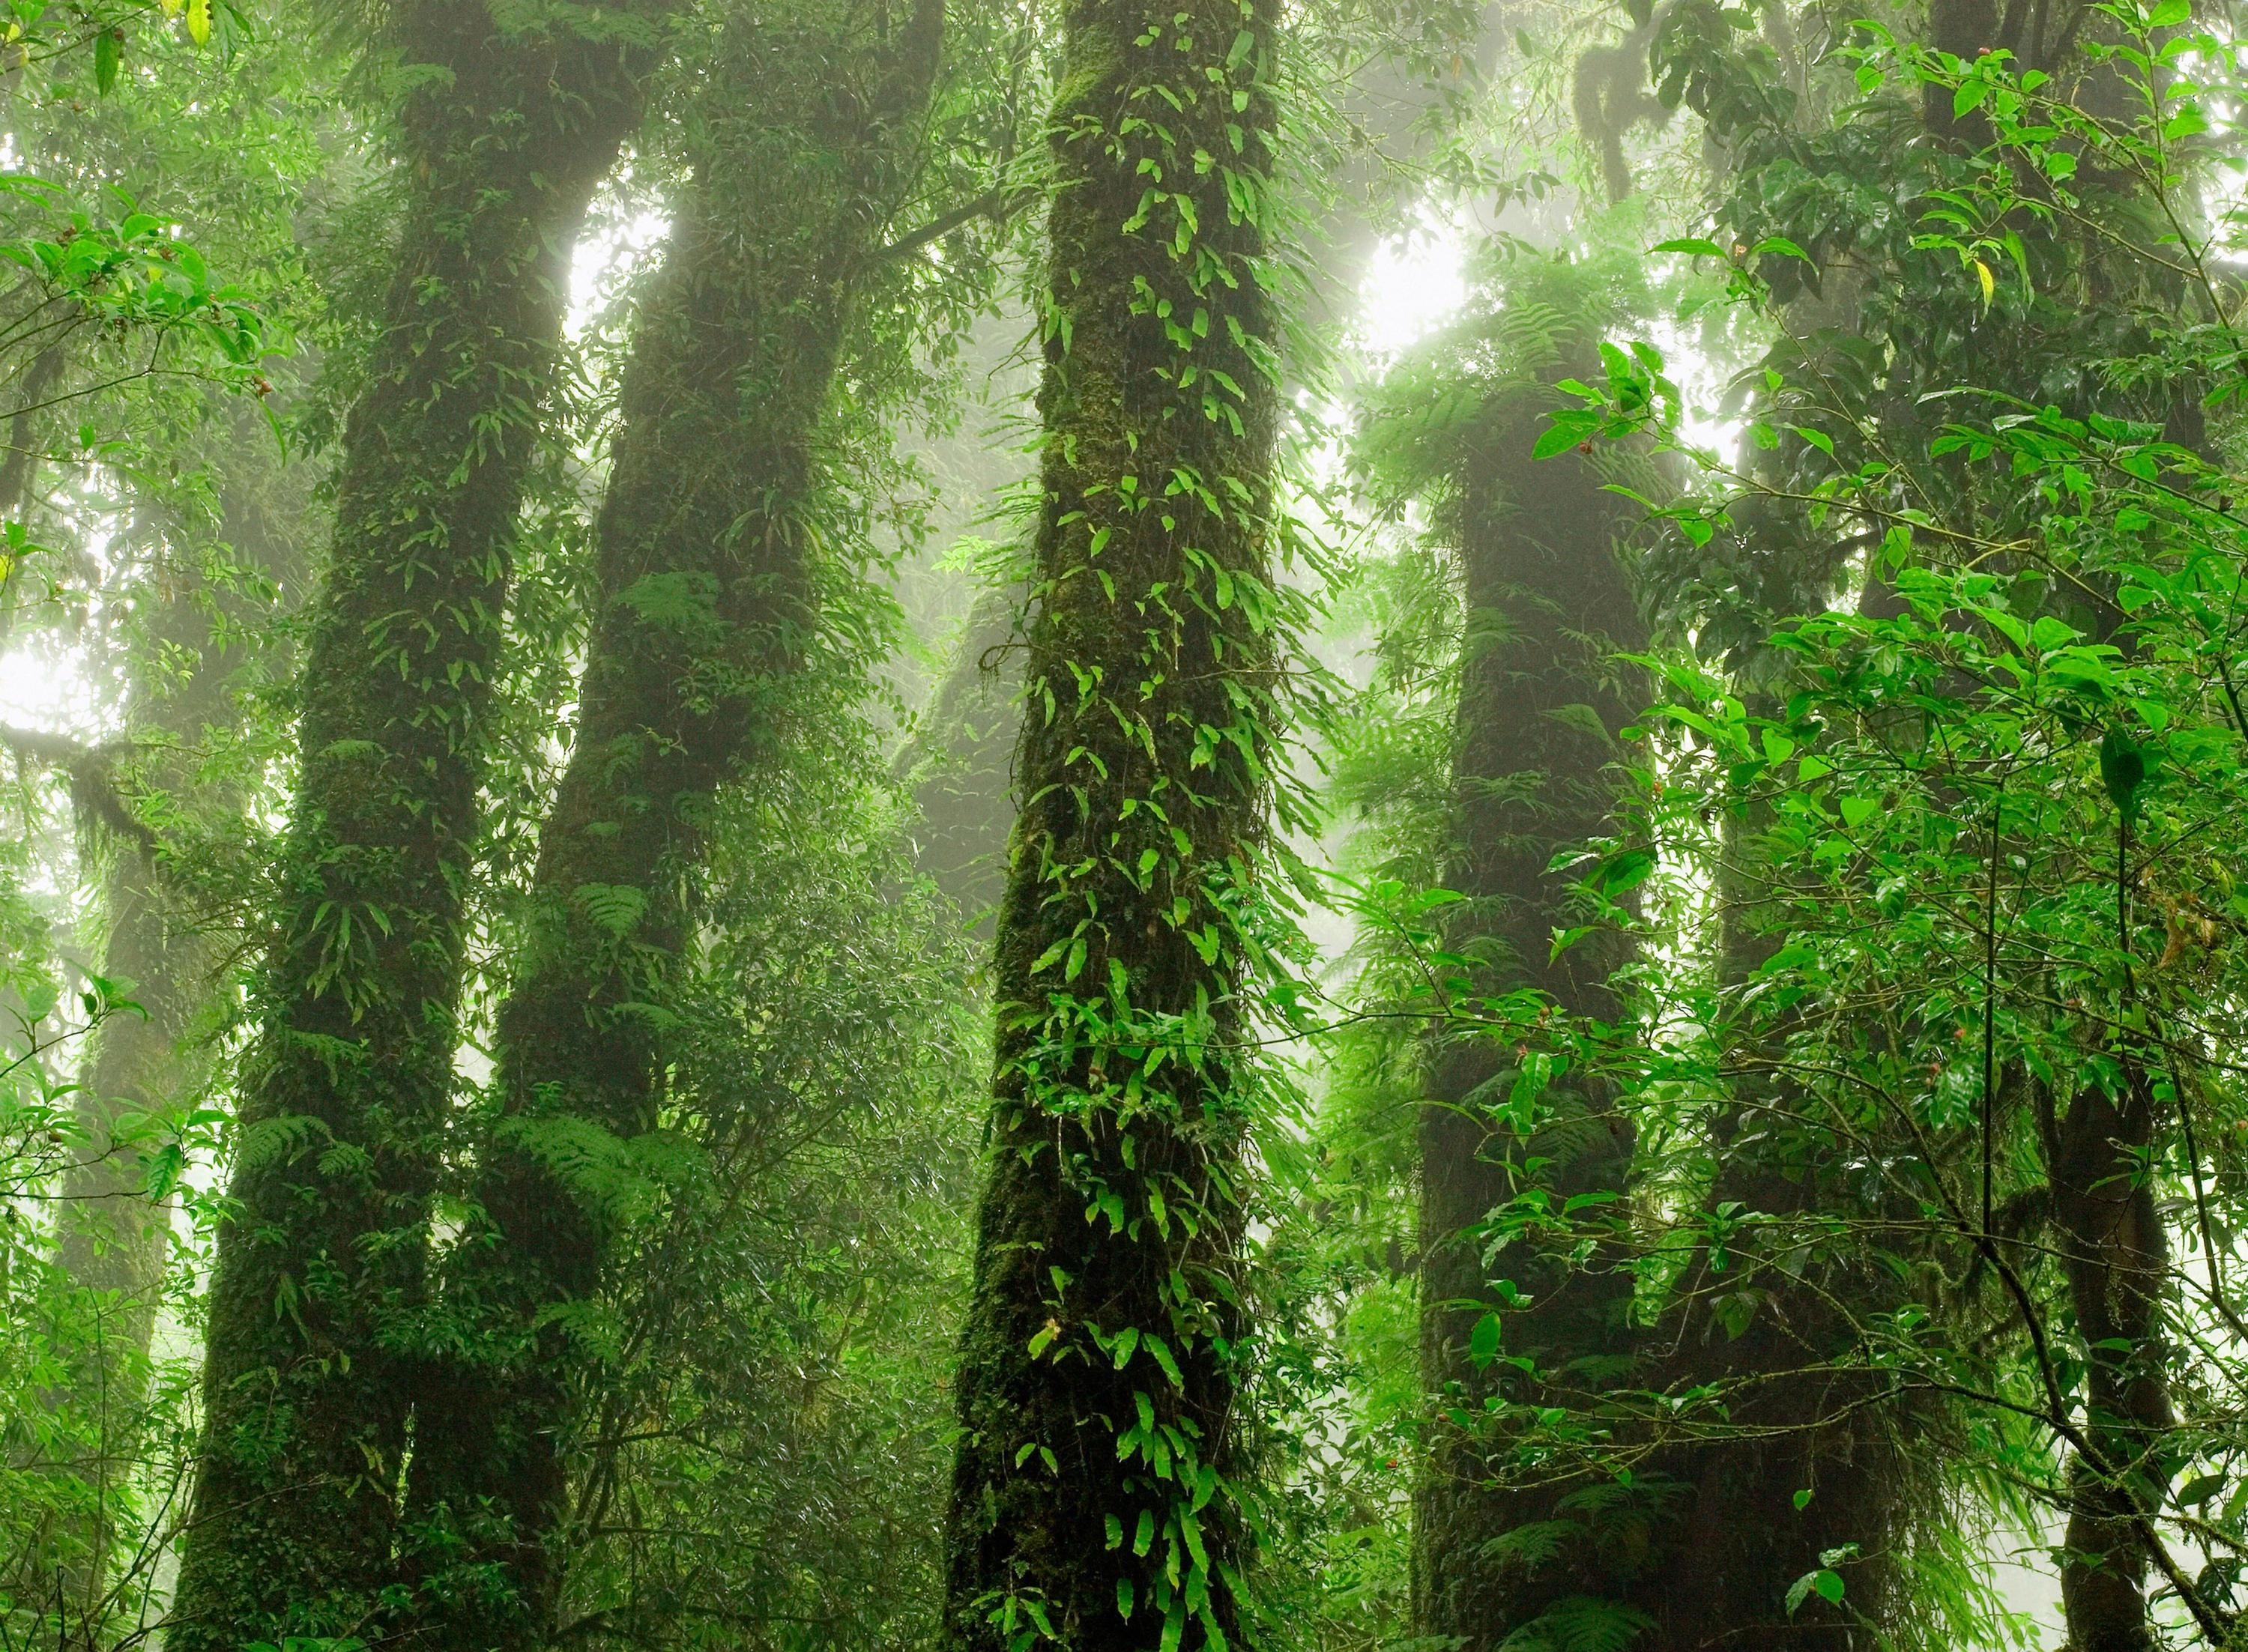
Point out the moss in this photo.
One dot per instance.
(1540, 707)
(321, 1270)
(1096, 1497)
(706, 583)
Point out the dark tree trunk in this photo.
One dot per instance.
(1775, 1327)
(508, 129)
(1540, 705)
(1094, 1493)
(2116, 1257)
(706, 576)
(1771, 1322)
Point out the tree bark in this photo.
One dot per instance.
(1097, 1490)
(1540, 708)
(513, 118)
(2116, 1254)
(706, 559)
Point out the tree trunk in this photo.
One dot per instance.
(2116, 1257)
(1096, 1498)
(514, 117)
(962, 757)
(706, 574)
(1540, 705)
(1773, 1323)
(112, 1232)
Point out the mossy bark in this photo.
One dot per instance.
(1096, 1501)
(1775, 1322)
(1542, 706)
(514, 116)
(706, 556)
(1778, 1329)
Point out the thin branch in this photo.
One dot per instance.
(997, 204)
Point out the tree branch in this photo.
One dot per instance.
(997, 204)
(94, 796)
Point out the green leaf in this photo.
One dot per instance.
(1570, 428)
(1626, 872)
(109, 52)
(1780, 246)
(1826, 1585)
(1583, 1623)
(616, 907)
(2199, 1490)
(1483, 1341)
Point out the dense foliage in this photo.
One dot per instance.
(1141, 826)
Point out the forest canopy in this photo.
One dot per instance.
(1123, 825)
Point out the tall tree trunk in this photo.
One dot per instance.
(705, 562)
(2116, 1254)
(516, 114)
(113, 1230)
(1096, 1498)
(1774, 1320)
(1774, 1325)
(1540, 705)
(962, 757)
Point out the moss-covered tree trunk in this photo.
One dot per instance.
(962, 757)
(1774, 1324)
(1540, 705)
(513, 116)
(706, 559)
(1095, 1497)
